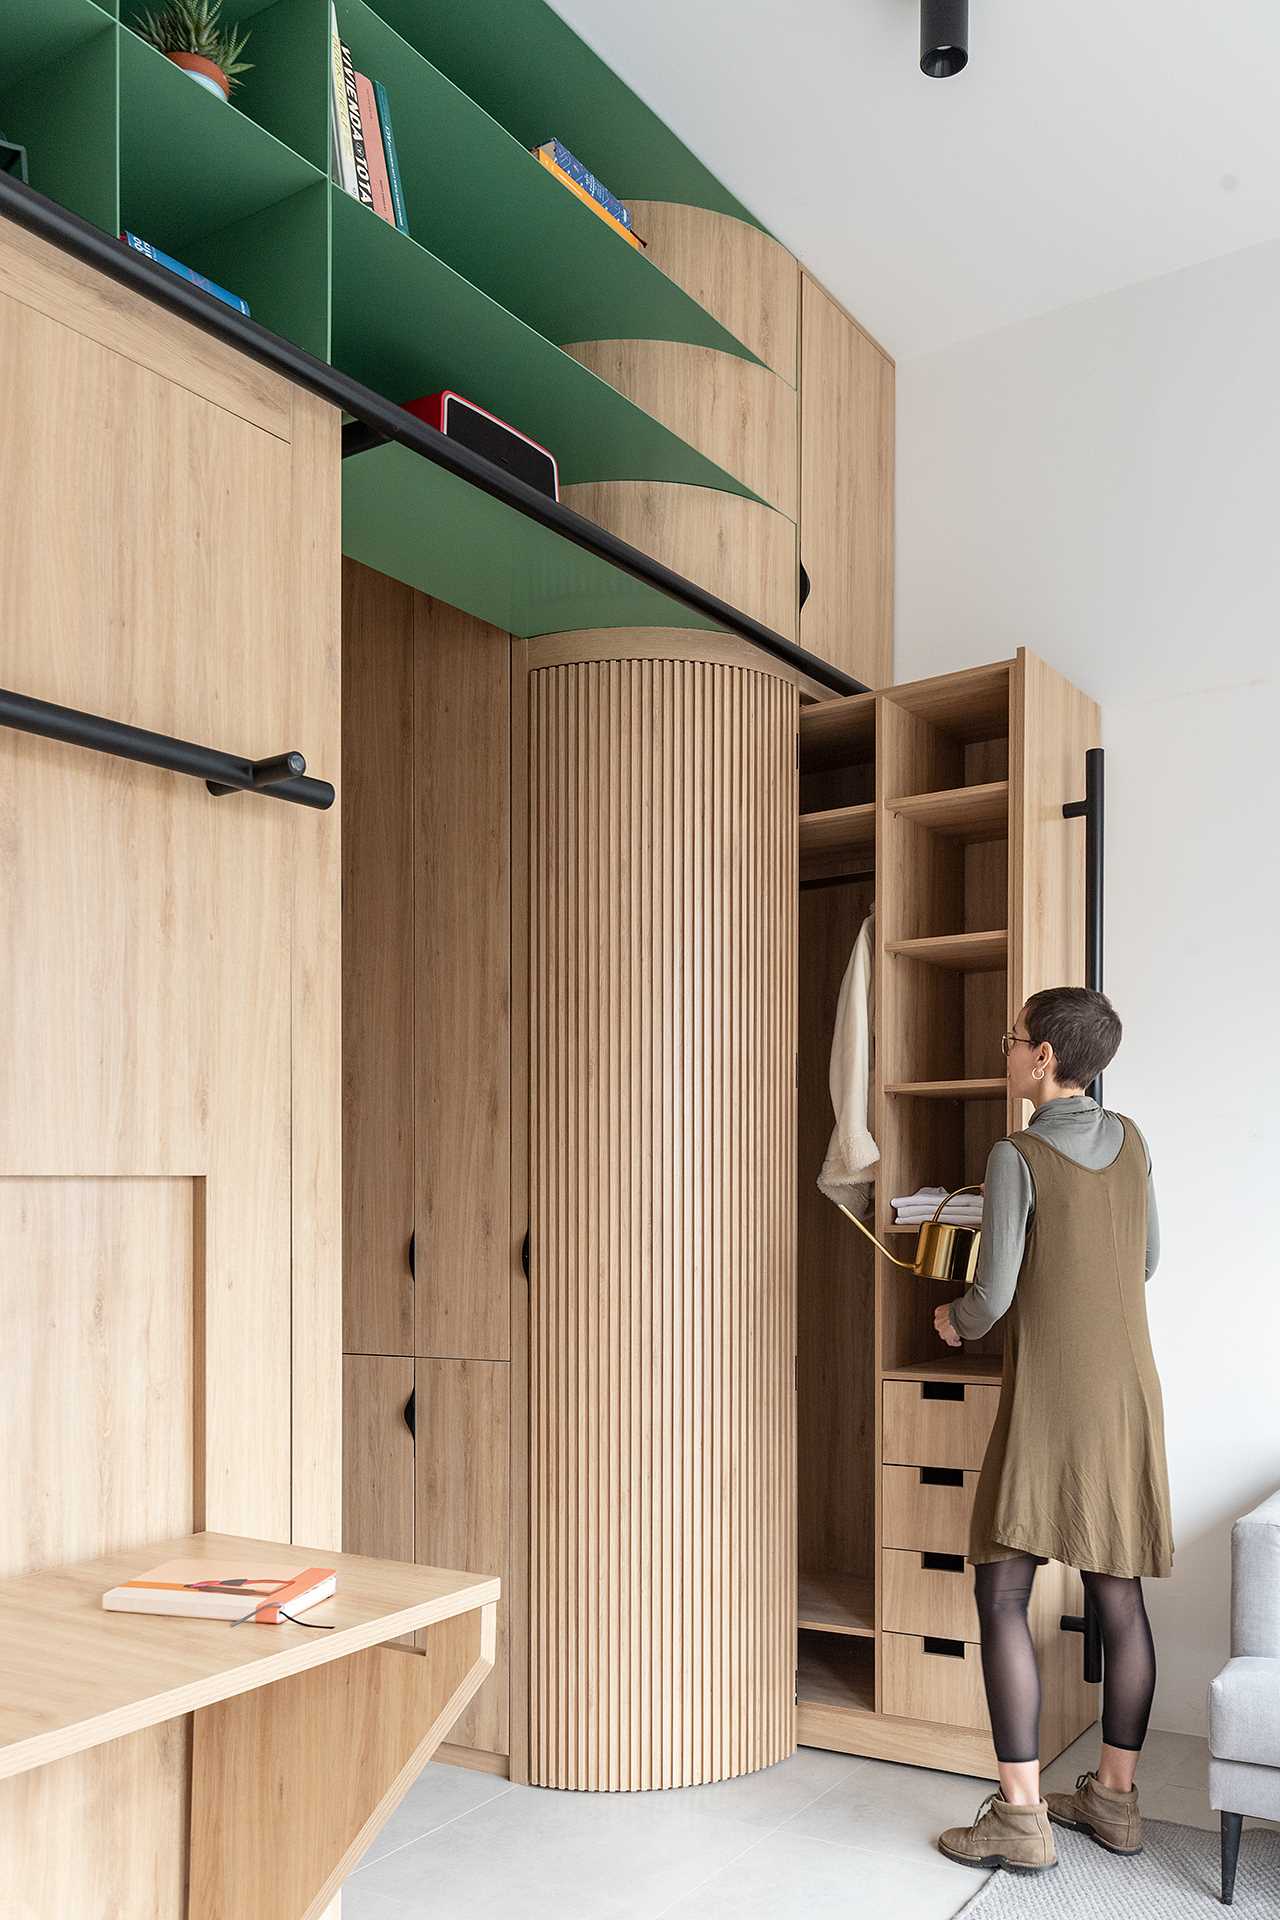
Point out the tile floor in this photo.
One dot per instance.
(822, 1834)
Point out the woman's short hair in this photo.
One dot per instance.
(1081, 1026)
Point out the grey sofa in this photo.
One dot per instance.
(1244, 1699)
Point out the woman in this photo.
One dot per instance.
(1075, 1467)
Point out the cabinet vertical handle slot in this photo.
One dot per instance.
(411, 1413)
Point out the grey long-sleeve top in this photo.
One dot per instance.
(1087, 1134)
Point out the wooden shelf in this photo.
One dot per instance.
(965, 813)
(74, 1677)
(973, 705)
(839, 840)
(835, 1670)
(962, 952)
(837, 733)
(979, 1368)
(993, 1089)
(837, 1603)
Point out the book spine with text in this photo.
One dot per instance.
(393, 159)
(570, 164)
(186, 273)
(559, 174)
(374, 152)
(363, 187)
(344, 151)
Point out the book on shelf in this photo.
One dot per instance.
(628, 234)
(570, 164)
(375, 153)
(392, 158)
(186, 273)
(344, 155)
(363, 189)
(223, 1590)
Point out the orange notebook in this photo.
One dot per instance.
(223, 1590)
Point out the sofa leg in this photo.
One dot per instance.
(1231, 1824)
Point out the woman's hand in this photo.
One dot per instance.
(942, 1325)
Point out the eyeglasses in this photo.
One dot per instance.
(1008, 1041)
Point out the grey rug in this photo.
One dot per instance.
(1175, 1877)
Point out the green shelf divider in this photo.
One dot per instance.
(529, 69)
(59, 101)
(277, 260)
(190, 163)
(286, 89)
(405, 517)
(480, 201)
(406, 324)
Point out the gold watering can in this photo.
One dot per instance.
(942, 1252)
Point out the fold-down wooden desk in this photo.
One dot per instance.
(304, 1742)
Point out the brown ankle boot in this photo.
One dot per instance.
(1104, 1813)
(1003, 1835)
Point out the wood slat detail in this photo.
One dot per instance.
(663, 868)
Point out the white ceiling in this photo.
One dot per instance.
(1089, 143)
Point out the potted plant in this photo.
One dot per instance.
(193, 35)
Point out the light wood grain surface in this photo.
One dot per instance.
(73, 1675)
(663, 876)
(740, 274)
(846, 490)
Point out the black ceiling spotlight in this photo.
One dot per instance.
(944, 37)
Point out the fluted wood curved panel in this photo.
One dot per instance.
(742, 416)
(663, 873)
(742, 275)
(742, 551)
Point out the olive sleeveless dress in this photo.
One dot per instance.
(1075, 1467)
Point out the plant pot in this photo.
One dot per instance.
(203, 72)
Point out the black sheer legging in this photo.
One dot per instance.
(1011, 1673)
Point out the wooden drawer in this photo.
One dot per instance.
(928, 1593)
(919, 1511)
(923, 1684)
(937, 1423)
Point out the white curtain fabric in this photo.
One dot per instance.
(849, 1168)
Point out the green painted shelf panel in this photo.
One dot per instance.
(63, 107)
(480, 201)
(277, 260)
(286, 89)
(35, 33)
(428, 328)
(522, 62)
(405, 517)
(189, 162)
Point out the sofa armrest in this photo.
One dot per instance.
(1255, 1581)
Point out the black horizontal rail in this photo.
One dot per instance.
(384, 419)
(280, 778)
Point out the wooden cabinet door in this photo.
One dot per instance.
(846, 490)
(461, 1517)
(168, 995)
(378, 1418)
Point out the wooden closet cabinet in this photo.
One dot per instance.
(428, 1247)
(940, 803)
(846, 490)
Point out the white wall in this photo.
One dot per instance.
(1102, 485)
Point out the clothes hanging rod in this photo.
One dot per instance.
(383, 418)
(837, 880)
(280, 778)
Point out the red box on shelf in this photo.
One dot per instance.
(484, 433)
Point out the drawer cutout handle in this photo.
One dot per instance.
(942, 1389)
(954, 1649)
(942, 1476)
(942, 1562)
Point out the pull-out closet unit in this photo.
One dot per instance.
(939, 802)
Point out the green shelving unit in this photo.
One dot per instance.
(501, 267)
(528, 67)
(405, 517)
